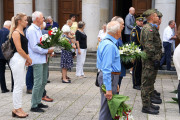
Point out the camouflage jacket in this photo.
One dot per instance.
(151, 42)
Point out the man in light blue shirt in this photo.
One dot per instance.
(38, 56)
(108, 61)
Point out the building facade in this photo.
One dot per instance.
(93, 12)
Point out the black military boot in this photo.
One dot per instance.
(150, 110)
(157, 93)
(156, 107)
(155, 100)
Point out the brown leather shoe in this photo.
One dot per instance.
(29, 91)
(47, 99)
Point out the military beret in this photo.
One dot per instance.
(139, 18)
(148, 12)
(158, 13)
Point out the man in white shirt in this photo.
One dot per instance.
(168, 37)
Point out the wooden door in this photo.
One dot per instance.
(178, 20)
(67, 7)
(8, 9)
(141, 5)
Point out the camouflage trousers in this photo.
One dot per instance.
(147, 81)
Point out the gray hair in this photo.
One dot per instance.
(69, 21)
(81, 24)
(171, 21)
(113, 27)
(36, 15)
(7, 23)
(117, 18)
(131, 8)
(49, 17)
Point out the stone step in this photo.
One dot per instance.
(86, 69)
(58, 59)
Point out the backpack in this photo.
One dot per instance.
(7, 50)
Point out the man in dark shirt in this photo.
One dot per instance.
(4, 32)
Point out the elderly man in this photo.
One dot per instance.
(39, 63)
(168, 37)
(120, 44)
(129, 23)
(108, 62)
(51, 23)
(152, 48)
(3, 37)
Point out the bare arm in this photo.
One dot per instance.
(17, 43)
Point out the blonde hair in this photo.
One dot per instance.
(14, 22)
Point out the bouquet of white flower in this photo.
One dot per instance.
(131, 52)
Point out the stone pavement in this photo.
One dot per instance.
(80, 100)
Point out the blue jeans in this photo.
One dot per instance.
(29, 78)
(167, 55)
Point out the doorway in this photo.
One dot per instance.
(8, 9)
(67, 7)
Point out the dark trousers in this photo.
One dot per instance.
(30, 79)
(2, 75)
(127, 38)
(120, 80)
(167, 55)
(137, 71)
(178, 89)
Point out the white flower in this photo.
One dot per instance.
(48, 40)
(138, 50)
(121, 51)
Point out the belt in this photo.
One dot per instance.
(116, 73)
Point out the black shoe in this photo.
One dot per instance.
(150, 110)
(137, 87)
(69, 81)
(4, 91)
(155, 100)
(157, 93)
(42, 106)
(171, 69)
(37, 109)
(48, 81)
(160, 68)
(156, 107)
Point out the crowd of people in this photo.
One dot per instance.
(24, 33)
(144, 32)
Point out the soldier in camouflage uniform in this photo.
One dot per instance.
(151, 46)
(155, 96)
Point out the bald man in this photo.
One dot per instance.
(129, 23)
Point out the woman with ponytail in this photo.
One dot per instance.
(19, 61)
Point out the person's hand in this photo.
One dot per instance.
(74, 46)
(117, 88)
(108, 95)
(79, 51)
(50, 51)
(28, 61)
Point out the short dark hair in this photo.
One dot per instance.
(170, 22)
(81, 24)
(72, 15)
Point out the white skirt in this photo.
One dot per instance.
(176, 60)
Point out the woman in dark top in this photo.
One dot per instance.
(81, 41)
(18, 61)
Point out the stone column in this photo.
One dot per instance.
(94, 14)
(168, 8)
(55, 10)
(45, 6)
(24, 6)
(1, 14)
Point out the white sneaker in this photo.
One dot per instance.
(130, 72)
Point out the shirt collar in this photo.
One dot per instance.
(154, 25)
(38, 28)
(5, 28)
(111, 38)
